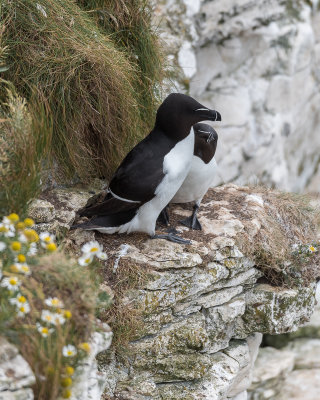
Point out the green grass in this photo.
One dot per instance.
(99, 82)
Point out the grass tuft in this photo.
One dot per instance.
(288, 220)
(25, 136)
(99, 81)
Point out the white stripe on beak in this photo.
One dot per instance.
(202, 109)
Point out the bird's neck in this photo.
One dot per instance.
(174, 131)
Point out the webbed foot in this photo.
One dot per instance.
(172, 238)
(192, 222)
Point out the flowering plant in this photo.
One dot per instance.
(49, 298)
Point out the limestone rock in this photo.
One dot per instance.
(15, 373)
(21, 394)
(271, 367)
(274, 310)
(306, 353)
(41, 211)
(56, 212)
(202, 310)
(89, 381)
(257, 62)
(271, 364)
(301, 385)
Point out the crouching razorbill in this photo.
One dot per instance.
(201, 174)
(151, 173)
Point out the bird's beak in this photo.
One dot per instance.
(210, 137)
(207, 114)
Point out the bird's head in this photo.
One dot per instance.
(179, 112)
(205, 132)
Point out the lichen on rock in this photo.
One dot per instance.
(188, 320)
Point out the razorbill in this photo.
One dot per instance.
(200, 176)
(151, 173)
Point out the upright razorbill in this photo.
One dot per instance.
(201, 174)
(151, 173)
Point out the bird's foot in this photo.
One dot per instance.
(172, 238)
(192, 222)
(172, 230)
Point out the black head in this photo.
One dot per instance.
(179, 112)
(206, 140)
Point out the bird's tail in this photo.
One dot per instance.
(107, 221)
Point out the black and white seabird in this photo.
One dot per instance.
(151, 173)
(201, 174)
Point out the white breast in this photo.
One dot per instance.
(176, 166)
(197, 182)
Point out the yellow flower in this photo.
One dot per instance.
(67, 314)
(31, 235)
(85, 346)
(69, 350)
(43, 330)
(53, 302)
(15, 246)
(21, 299)
(13, 217)
(69, 370)
(29, 222)
(25, 269)
(21, 258)
(312, 249)
(4, 228)
(23, 309)
(66, 394)
(14, 268)
(65, 382)
(46, 237)
(51, 247)
(11, 283)
(20, 226)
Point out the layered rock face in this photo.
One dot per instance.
(16, 377)
(289, 367)
(258, 63)
(196, 312)
(202, 307)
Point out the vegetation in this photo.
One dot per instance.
(95, 67)
(48, 304)
(285, 247)
(26, 133)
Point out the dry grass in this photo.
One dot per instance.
(124, 318)
(287, 219)
(25, 136)
(101, 99)
(129, 23)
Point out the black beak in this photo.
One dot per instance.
(209, 115)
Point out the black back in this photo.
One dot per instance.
(206, 140)
(141, 171)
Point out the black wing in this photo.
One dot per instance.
(141, 171)
(106, 204)
(136, 179)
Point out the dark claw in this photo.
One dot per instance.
(192, 223)
(172, 238)
(172, 230)
(163, 218)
